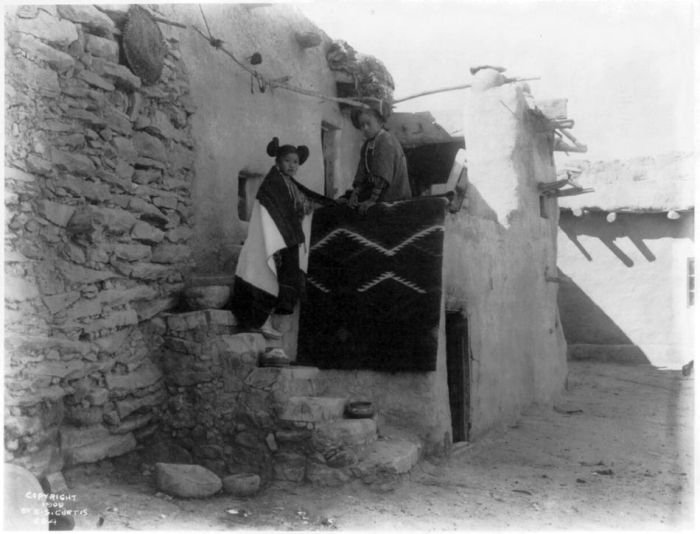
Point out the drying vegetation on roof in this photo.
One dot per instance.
(366, 75)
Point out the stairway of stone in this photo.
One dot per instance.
(312, 440)
(344, 448)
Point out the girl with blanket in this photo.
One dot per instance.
(270, 272)
(382, 174)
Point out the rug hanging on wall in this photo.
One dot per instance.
(374, 288)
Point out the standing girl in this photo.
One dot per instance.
(270, 272)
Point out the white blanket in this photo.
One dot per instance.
(256, 264)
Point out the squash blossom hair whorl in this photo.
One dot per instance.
(276, 151)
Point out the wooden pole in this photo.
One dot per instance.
(455, 88)
(571, 137)
(280, 83)
(572, 192)
(170, 22)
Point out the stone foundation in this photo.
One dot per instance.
(235, 417)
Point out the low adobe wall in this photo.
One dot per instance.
(500, 251)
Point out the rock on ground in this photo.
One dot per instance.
(189, 481)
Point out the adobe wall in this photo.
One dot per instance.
(625, 285)
(498, 252)
(234, 123)
(98, 177)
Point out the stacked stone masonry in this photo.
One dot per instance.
(231, 416)
(98, 216)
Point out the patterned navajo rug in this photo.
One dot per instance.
(374, 287)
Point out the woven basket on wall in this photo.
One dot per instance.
(144, 45)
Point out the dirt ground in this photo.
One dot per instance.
(615, 453)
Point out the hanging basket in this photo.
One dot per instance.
(144, 45)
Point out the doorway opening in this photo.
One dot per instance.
(330, 142)
(458, 373)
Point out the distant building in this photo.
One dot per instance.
(626, 259)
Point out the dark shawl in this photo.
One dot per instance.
(275, 196)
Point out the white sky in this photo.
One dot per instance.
(626, 67)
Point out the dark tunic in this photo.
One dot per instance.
(383, 157)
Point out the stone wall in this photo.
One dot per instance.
(98, 216)
(501, 257)
(205, 375)
(231, 416)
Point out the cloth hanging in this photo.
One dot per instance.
(374, 287)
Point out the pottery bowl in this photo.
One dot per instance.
(359, 410)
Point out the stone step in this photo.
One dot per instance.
(312, 409)
(393, 456)
(274, 343)
(354, 433)
(285, 382)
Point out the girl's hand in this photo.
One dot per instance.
(364, 206)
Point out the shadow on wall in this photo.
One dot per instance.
(479, 207)
(590, 333)
(633, 226)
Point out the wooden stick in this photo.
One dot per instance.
(277, 83)
(571, 137)
(561, 146)
(575, 170)
(547, 186)
(307, 92)
(171, 23)
(572, 192)
(455, 88)
(206, 24)
(564, 123)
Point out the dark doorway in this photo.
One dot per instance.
(330, 140)
(458, 362)
(430, 164)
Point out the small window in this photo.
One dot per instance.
(691, 281)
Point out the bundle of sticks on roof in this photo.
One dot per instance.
(367, 76)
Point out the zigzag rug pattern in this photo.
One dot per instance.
(374, 288)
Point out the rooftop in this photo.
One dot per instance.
(647, 184)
